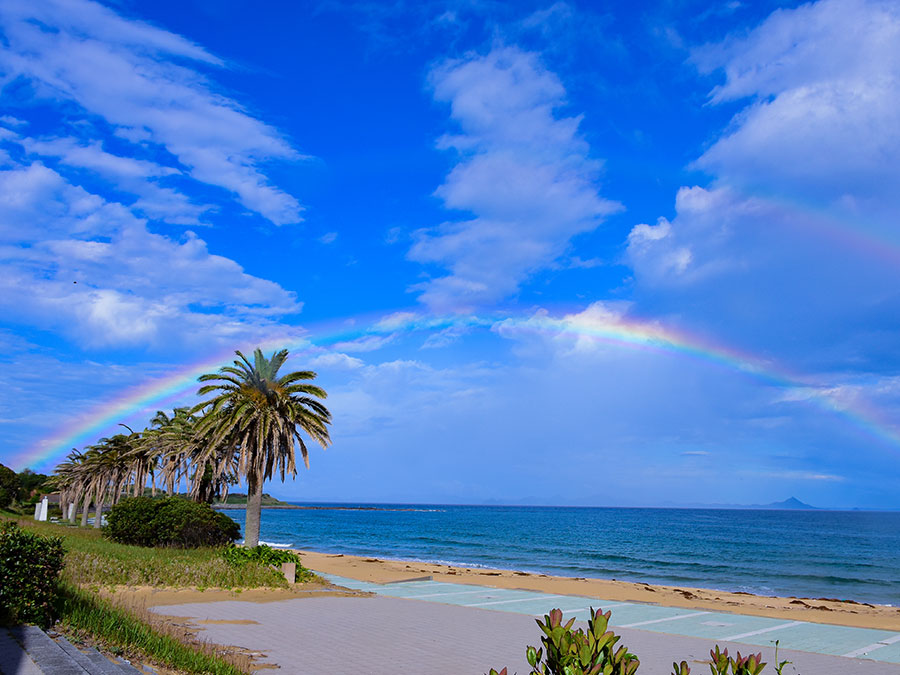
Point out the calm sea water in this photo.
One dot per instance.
(847, 555)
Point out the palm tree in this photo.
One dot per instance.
(256, 416)
(171, 439)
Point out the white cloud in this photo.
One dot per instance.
(788, 250)
(525, 174)
(328, 238)
(397, 321)
(823, 116)
(137, 176)
(89, 268)
(336, 360)
(444, 337)
(134, 77)
(366, 343)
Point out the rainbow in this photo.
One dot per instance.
(598, 326)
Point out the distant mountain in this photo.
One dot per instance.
(790, 504)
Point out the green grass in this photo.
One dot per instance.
(92, 560)
(120, 631)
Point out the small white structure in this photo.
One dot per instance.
(41, 509)
(71, 514)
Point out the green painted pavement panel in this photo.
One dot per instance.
(580, 606)
(474, 598)
(715, 626)
(889, 654)
(635, 613)
(520, 605)
(820, 638)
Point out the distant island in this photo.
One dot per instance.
(789, 504)
(238, 500)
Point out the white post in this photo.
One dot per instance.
(71, 514)
(37, 511)
(45, 503)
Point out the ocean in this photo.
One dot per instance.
(832, 554)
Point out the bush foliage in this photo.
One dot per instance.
(576, 652)
(238, 556)
(9, 486)
(171, 522)
(29, 567)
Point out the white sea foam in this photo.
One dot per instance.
(272, 544)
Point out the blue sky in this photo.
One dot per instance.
(566, 252)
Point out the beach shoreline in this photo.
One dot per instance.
(814, 610)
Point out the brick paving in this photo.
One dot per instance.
(394, 636)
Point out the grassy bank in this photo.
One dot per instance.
(92, 560)
(92, 563)
(130, 633)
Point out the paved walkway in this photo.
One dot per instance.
(879, 645)
(429, 635)
(27, 650)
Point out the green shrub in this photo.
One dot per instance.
(574, 652)
(9, 486)
(29, 567)
(742, 665)
(171, 521)
(578, 653)
(238, 556)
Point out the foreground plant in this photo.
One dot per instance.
(29, 567)
(576, 652)
(742, 665)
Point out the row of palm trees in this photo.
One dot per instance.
(248, 428)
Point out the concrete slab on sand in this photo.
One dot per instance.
(397, 636)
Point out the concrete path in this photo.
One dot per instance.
(397, 636)
(880, 645)
(27, 650)
(13, 659)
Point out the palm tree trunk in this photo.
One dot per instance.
(71, 517)
(98, 508)
(254, 507)
(84, 510)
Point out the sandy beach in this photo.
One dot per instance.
(817, 610)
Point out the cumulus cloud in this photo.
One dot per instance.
(524, 174)
(137, 176)
(791, 246)
(366, 343)
(823, 114)
(143, 83)
(336, 360)
(77, 263)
